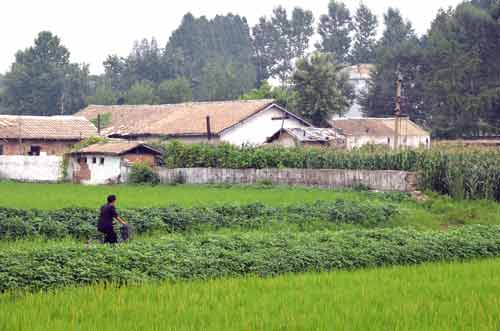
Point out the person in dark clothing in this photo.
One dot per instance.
(105, 225)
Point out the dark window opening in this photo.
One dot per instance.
(94, 160)
(34, 150)
(101, 161)
(1, 149)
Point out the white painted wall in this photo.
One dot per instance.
(31, 168)
(256, 130)
(410, 141)
(109, 172)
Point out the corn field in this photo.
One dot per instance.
(463, 173)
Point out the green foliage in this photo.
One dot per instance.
(175, 91)
(103, 95)
(88, 142)
(142, 93)
(480, 168)
(103, 121)
(319, 89)
(266, 91)
(142, 173)
(335, 30)
(279, 40)
(42, 81)
(209, 256)
(80, 223)
(365, 26)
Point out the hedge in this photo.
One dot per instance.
(462, 173)
(254, 253)
(80, 223)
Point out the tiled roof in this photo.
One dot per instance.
(376, 127)
(360, 71)
(114, 148)
(46, 127)
(174, 120)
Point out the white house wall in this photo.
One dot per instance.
(31, 168)
(258, 128)
(109, 172)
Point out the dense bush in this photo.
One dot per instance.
(461, 173)
(263, 254)
(142, 173)
(80, 223)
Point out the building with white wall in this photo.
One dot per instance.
(359, 75)
(236, 122)
(381, 131)
(105, 163)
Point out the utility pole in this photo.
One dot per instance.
(398, 115)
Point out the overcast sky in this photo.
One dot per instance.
(93, 29)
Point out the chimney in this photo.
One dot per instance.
(98, 124)
(209, 131)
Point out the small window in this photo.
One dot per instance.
(34, 150)
(94, 160)
(85, 160)
(101, 161)
(1, 149)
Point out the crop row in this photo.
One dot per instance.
(461, 173)
(80, 223)
(255, 253)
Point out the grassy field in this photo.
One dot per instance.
(56, 196)
(437, 213)
(429, 297)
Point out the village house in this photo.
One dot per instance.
(235, 122)
(380, 131)
(104, 163)
(308, 137)
(358, 76)
(42, 135)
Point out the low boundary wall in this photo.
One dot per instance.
(31, 168)
(385, 180)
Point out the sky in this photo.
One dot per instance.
(94, 29)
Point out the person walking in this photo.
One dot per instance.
(105, 224)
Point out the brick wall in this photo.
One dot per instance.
(50, 147)
(140, 158)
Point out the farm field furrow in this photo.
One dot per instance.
(429, 297)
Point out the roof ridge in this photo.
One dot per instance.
(185, 103)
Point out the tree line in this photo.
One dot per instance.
(451, 74)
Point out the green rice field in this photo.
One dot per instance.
(429, 297)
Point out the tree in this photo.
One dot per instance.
(319, 89)
(175, 91)
(365, 27)
(42, 81)
(103, 95)
(462, 72)
(280, 40)
(142, 93)
(334, 30)
(266, 91)
(397, 30)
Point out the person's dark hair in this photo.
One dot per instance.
(111, 198)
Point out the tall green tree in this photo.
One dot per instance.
(42, 81)
(397, 30)
(462, 72)
(365, 26)
(175, 91)
(335, 31)
(141, 93)
(280, 40)
(320, 89)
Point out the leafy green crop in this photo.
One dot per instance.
(80, 223)
(461, 173)
(263, 254)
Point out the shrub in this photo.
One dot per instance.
(263, 254)
(142, 173)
